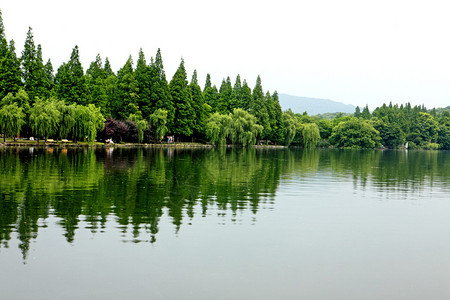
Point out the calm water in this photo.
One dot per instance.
(228, 224)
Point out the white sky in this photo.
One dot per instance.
(356, 52)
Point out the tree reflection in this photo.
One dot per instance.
(138, 187)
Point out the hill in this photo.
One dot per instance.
(313, 106)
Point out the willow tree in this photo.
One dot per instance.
(67, 120)
(289, 128)
(311, 135)
(218, 128)
(12, 118)
(44, 118)
(158, 122)
(88, 120)
(141, 125)
(244, 128)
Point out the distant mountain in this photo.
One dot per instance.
(312, 105)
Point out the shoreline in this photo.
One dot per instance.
(126, 145)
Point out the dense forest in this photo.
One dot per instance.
(138, 104)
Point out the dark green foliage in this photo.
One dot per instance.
(45, 118)
(218, 128)
(357, 113)
(201, 109)
(258, 108)
(10, 73)
(355, 133)
(158, 124)
(289, 128)
(224, 102)
(366, 113)
(391, 134)
(12, 118)
(96, 85)
(311, 135)
(70, 80)
(246, 96)
(277, 122)
(125, 101)
(211, 95)
(244, 128)
(143, 78)
(184, 113)
(444, 130)
(160, 94)
(207, 82)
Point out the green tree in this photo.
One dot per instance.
(107, 68)
(141, 125)
(258, 107)
(10, 73)
(126, 98)
(158, 122)
(244, 128)
(224, 102)
(143, 78)
(246, 96)
(357, 113)
(218, 128)
(43, 85)
(20, 98)
(29, 65)
(355, 133)
(207, 82)
(444, 131)
(311, 135)
(96, 84)
(184, 113)
(423, 129)
(67, 118)
(48, 69)
(199, 106)
(236, 93)
(44, 118)
(211, 94)
(12, 118)
(366, 113)
(70, 80)
(88, 121)
(391, 134)
(160, 94)
(271, 112)
(289, 128)
(277, 124)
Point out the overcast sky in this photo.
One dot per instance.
(356, 52)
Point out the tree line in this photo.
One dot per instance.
(138, 104)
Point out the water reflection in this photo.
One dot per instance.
(135, 188)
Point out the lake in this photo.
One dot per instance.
(147, 223)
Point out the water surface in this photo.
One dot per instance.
(224, 224)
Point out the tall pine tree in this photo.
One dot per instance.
(225, 97)
(142, 75)
(10, 74)
(70, 80)
(259, 109)
(96, 84)
(198, 104)
(278, 124)
(125, 102)
(160, 95)
(246, 96)
(184, 112)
